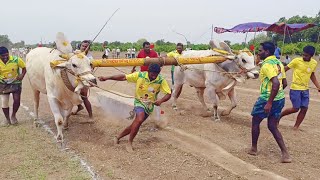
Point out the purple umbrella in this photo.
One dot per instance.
(244, 28)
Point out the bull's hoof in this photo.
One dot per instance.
(216, 119)
(36, 123)
(225, 113)
(59, 139)
(174, 107)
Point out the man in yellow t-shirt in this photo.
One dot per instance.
(176, 53)
(10, 83)
(303, 71)
(271, 100)
(148, 85)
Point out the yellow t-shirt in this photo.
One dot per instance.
(302, 71)
(146, 90)
(271, 67)
(174, 54)
(10, 70)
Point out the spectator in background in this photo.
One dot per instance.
(146, 52)
(277, 52)
(118, 52)
(106, 52)
(133, 53)
(113, 53)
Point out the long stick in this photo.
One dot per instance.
(104, 25)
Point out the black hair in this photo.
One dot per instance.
(309, 50)
(145, 43)
(154, 68)
(3, 50)
(268, 46)
(180, 44)
(84, 41)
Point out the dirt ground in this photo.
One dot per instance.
(192, 146)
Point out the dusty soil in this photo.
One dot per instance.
(192, 146)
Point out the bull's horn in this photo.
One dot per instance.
(65, 56)
(221, 51)
(235, 52)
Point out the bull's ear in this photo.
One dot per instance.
(225, 47)
(213, 44)
(63, 44)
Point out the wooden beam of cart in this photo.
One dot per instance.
(165, 61)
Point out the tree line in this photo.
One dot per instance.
(292, 44)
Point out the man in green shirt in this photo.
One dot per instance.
(271, 101)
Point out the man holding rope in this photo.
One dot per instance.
(148, 85)
(85, 47)
(303, 71)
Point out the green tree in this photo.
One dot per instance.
(141, 41)
(5, 41)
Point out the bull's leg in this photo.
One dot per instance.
(200, 92)
(213, 96)
(66, 115)
(36, 99)
(232, 97)
(58, 118)
(176, 94)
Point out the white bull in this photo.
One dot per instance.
(62, 84)
(217, 79)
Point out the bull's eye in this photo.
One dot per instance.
(73, 65)
(244, 61)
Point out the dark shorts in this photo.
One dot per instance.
(138, 109)
(10, 88)
(299, 98)
(258, 108)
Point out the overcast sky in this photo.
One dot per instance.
(33, 20)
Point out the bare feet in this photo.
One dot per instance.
(253, 151)
(5, 123)
(115, 140)
(285, 158)
(14, 120)
(80, 107)
(129, 148)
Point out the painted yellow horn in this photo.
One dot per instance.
(65, 56)
(236, 52)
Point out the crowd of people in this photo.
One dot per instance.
(149, 82)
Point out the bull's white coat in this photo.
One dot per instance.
(48, 81)
(210, 76)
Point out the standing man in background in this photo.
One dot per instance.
(277, 52)
(176, 53)
(85, 47)
(146, 52)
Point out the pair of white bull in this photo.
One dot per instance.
(63, 96)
